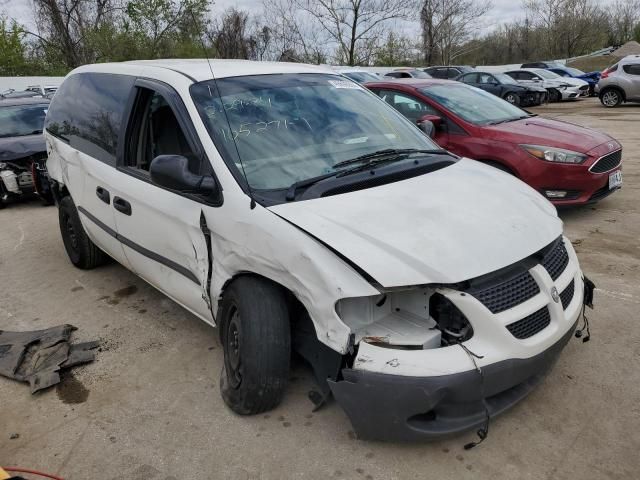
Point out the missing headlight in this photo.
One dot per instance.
(450, 320)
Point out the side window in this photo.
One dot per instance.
(410, 107)
(452, 72)
(632, 69)
(514, 75)
(526, 76)
(393, 75)
(154, 130)
(87, 110)
(486, 78)
(471, 78)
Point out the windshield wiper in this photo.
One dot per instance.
(387, 152)
(370, 159)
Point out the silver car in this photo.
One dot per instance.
(620, 82)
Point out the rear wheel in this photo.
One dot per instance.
(82, 252)
(512, 98)
(255, 334)
(611, 98)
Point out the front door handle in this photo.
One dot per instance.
(122, 205)
(103, 195)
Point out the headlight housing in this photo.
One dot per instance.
(556, 155)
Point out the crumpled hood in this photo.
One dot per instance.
(16, 148)
(552, 133)
(442, 227)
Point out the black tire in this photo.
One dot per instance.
(512, 98)
(81, 250)
(256, 337)
(554, 96)
(611, 97)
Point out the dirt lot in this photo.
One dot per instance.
(149, 407)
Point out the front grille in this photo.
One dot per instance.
(584, 87)
(508, 294)
(531, 324)
(555, 261)
(567, 295)
(608, 162)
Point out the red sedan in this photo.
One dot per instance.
(567, 163)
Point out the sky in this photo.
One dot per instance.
(503, 11)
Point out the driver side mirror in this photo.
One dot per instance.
(172, 171)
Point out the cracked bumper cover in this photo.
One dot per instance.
(401, 408)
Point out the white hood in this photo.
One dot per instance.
(576, 82)
(442, 227)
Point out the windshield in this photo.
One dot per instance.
(504, 78)
(362, 77)
(21, 120)
(473, 105)
(292, 127)
(547, 74)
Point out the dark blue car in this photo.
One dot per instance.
(591, 78)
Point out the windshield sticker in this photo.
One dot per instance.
(345, 84)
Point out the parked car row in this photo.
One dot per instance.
(566, 163)
(298, 210)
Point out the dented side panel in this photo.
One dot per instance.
(164, 242)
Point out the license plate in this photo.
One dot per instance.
(615, 179)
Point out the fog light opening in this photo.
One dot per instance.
(555, 193)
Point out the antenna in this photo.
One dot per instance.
(252, 205)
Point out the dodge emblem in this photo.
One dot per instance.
(555, 295)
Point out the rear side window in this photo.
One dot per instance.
(453, 73)
(632, 69)
(87, 111)
(470, 78)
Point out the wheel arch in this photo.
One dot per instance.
(613, 87)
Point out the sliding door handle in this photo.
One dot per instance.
(103, 195)
(121, 205)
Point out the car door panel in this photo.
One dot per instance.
(160, 229)
(164, 243)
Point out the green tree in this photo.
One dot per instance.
(13, 50)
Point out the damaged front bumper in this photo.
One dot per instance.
(400, 408)
(396, 394)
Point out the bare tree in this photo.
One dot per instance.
(294, 37)
(570, 25)
(354, 25)
(624, 17)
(65, 25)
(447, 25)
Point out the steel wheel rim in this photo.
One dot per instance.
(71, 232)
(610, 99)
(511, 98)
(233, 338)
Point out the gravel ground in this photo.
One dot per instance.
(149, 406)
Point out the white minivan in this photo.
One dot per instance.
(297, 211)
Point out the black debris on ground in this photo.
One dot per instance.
(38, 356)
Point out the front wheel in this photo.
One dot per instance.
(255, 334)
(512, 98)
(554, 96)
